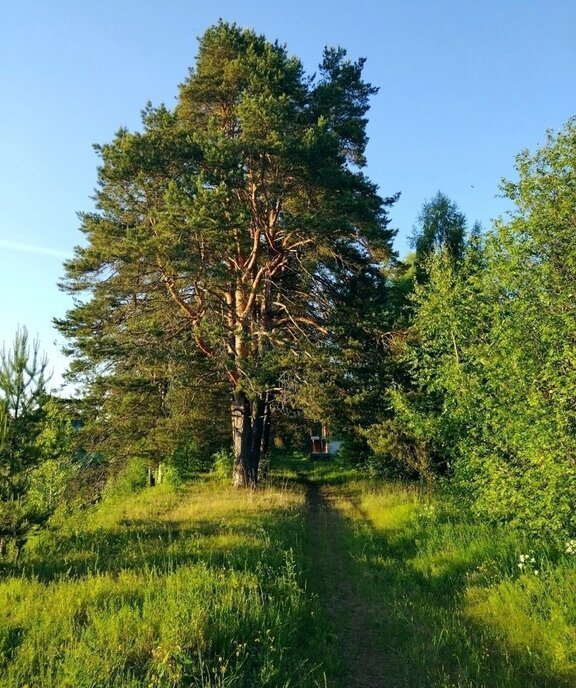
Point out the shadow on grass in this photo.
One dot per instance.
(411, 619)
(260, 626)
(420, 619)
(149, 544)
(297, 468)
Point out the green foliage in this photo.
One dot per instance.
(228, 236)
(223, 462)
(47, 486)
(400, 445)
(35, 443)
(22, 399)
(189, 459)
(130, 479)
(401, 279)
(56, 437)
(489, 388)
(428, 404)
(441, 227)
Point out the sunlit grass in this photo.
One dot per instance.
(449, 597)
(197, 586)
(533, 614)
(208, 586)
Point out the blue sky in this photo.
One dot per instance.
(464, 86)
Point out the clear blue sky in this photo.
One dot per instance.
(464, 86)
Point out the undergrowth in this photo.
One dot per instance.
(460, 603)
(197, 586)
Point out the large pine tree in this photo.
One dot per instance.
(232, 225)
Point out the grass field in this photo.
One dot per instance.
(457, 603)
(321, 578)
(199, 586)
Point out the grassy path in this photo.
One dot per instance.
(321, 579)
(349, 613)
(415, 597)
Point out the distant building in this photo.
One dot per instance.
(322, 446)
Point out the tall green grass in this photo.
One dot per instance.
(460, 604)
(198, 586)
(205, 586)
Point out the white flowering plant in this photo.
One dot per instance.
(527, 563)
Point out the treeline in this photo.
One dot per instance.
(238, 285)
(486, 386)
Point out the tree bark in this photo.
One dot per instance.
(267, 423)
(247, 428)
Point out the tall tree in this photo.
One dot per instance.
(22, 400)
(242, 218)
(441, 227)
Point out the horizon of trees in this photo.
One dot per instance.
(239, 284)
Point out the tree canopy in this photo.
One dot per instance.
(441, 227)
(227, 232)
(488, 386)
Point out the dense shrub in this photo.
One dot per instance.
(489, 393)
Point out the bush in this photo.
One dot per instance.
(132, 477)
(399, 451)
(189, 459)
(223, 464)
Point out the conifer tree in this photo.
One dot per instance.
(238, 220)
(22, 399)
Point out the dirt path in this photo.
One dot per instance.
(350, 615)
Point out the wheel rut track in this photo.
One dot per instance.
(351, 615)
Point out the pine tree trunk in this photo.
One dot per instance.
(247, 426)
(267, 423)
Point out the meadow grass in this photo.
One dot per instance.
(195, 586)
(207, 586)
(449, 597)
